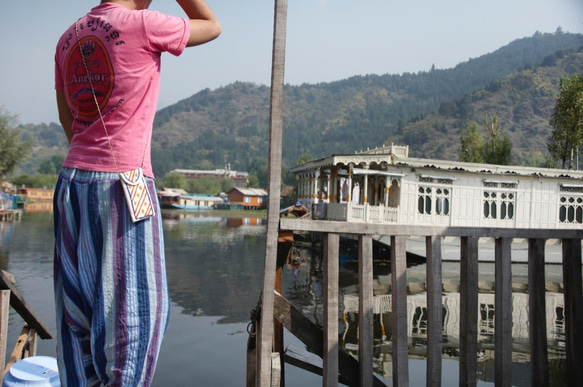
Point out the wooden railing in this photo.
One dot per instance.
(33, 327)
(332, 354)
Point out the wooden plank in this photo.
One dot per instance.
(283, 250)
(313, 337)
(365, 309)
(399, 298)
(265, 342)
(331, 251)
(573, 310)
(20, 306)
(468, 311)
(537, 322)
(4, 317)
(32, 342)
(251, 367)
(503, 313)
(434, 310)
(18, 348)
(309, 362)
(395, 229)
(275, 369)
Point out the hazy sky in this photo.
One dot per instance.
(327, 40)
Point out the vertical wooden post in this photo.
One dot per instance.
(468, 311)
(365, 310)
(4, 316)
(434, 310)
(573, 310)
(330, 358)
(399, 298)
(537, 322)
(284, 247)
(503, 313)
(265, 342)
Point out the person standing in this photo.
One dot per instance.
(111, 293)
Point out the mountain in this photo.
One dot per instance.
(523, 101)
(426, 110)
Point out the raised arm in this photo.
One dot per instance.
(204, 25)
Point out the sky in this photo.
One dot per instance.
(326, 41)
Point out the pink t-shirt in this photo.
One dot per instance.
(122, 50)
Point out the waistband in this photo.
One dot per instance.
(82, 175)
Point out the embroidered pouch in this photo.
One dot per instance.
(137, 195)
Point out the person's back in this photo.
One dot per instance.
(110, 282)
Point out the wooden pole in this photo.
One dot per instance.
(503, 313)
(4, 316)
(365, 310)
(537, 322)
(330, 356)
(265, 342)
(468, 311)
(399, 297)
(434, 310)
(573, 310)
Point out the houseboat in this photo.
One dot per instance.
(385, 185)
(196, 202)
(169, 196)
(244, 199)
(35, 195)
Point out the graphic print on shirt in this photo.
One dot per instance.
(100, 73)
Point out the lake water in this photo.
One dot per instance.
(215, 273)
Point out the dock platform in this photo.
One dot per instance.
(10, 215)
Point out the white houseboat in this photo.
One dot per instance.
(384, 185)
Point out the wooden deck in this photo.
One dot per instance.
(336, 367)
(10, 215)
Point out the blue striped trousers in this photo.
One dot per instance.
(111, 293)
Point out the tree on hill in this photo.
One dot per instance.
(471, 144)
(495, 149)
(498, 148)
(12, 148)
(567, 122)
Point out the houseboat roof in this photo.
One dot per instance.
(251, 191)
(214, 172)
(380, 161)
(172, 192)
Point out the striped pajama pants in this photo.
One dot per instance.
(111, 293)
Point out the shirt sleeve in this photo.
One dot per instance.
(167, 33)
(59, 81)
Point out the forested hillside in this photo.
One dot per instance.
(425, 110)
(523, 102)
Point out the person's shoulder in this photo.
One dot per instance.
(151, 14)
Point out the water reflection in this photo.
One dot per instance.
(215, 273)
(304, 288)
(214, 264)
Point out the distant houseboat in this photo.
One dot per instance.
(196, 202)
(169, 196)
(36, 194)
(384, 185)
(245, 199)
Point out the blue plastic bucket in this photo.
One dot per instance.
(37, 371)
